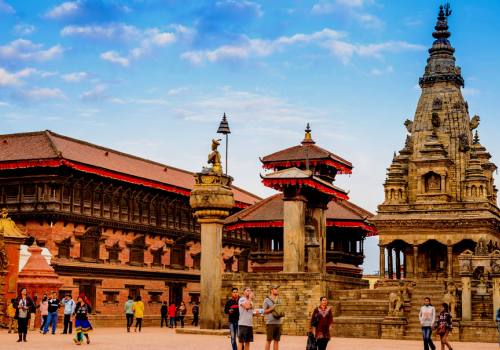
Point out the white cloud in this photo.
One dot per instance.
(40, 94)
(24, 29)
(114, 57)
(332, 40)
(348, 9)
(370, 21)
(25, 50)
(6, 8)
(177, 91)
(97, 93)
(8, 79)
(323, 8)
(257, 47)
(66, 9)
(241, 6)
(75, 77)
(378, 71)
(351, 3)
(114, 31)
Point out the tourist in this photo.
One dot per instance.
(138, 312)
(321, 321)
(196, 314)
(69, 309)
(24, 305)
(444, 326)
(11, 316)
(232, 310)
(172, 309)
(82, 324)
(44, 311)
(498, 324)
(273, 319)
(245, 321)
(53, 306)
(129, 312)
(163, 314)
(181, 312)
(427, 317)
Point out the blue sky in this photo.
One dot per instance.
(153, 78)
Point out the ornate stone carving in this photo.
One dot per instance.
(465, 260)
(463, 141)
(481, 248)
(495, 261)
(435, 120)
(409, 125)
(396, 303)
(474, 122)
(437, 104)
(450, 297)
(214, 157)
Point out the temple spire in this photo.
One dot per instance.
(308, 138)
(441, 62)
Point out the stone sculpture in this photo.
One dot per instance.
(396, 304)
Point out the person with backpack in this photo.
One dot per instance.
(273, 318)
(444, 326)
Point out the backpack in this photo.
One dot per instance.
(278, 310)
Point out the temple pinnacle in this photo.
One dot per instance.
(308, 138)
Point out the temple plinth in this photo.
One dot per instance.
(211, 200)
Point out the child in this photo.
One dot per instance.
(11, 312)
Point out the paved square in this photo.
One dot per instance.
(161, 338)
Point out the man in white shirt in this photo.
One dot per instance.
(427, 316)
(245, 321)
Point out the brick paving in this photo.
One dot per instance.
(161, 338)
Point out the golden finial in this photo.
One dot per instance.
(308, 137)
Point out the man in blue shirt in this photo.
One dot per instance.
(53, 306)
(69, 308)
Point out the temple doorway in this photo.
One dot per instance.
(434, 256)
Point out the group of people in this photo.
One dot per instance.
(241, 311)
(23, 309)
(441, 323)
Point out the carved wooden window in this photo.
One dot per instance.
(64, 249)
(107, 205)
(116, 208)
(54, 192)
(177, 257)
(29, 192)
(77, 198)
(89, 245)
(137, 251)
(111, 297)
(114, 253)
(134, 290)
(97, 202)
(157, 255)
(124, 208)
(11, 193)
(196, 261)
(432, 182)
(155, 297)
(87, 199)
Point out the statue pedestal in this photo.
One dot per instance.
(393, 327)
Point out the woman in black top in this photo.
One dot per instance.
(23, 306)
(444, 326)
(82, 324)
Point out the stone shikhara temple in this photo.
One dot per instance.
(439, 225)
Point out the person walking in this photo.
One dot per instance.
(69, 309)
(83, 326)
(232, 310)
(11, 316)
(181, 312)
(444, 326)
(163, 314)
(321, 321)
(44, 311)
(53, 306)
(245, 321)
(24, 305)
(273, 319)
(427, 316)
(172, 309)
(129, 312)
(138, 312)
(196, 314)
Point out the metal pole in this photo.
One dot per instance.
(226, 151)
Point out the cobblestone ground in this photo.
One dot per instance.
(161, 338)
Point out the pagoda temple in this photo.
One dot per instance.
(308, 238)
(439, 224)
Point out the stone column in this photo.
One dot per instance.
(211, 199)
(449, 263)
(389, 263)
(496, 295)
(415, 262)
(319, 222)
(466, 299)
(294, 215)
(382, 261)
(398, 263)
(404, 263)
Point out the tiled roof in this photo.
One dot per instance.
(47, 145)
(271, 209)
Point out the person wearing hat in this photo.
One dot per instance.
(273, 319)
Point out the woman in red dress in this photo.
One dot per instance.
(321, 321)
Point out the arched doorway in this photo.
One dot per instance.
(432, 258)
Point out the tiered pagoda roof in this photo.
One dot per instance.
(48, 149)
(269, 213)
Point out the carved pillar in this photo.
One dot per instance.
(389, 262)
(415, 262)
(398, 263)
(319, 222)
(404, 263)
(382, 261)
(466, 299)
(496, 295)
(450, 261)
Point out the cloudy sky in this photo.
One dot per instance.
(153, 78)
